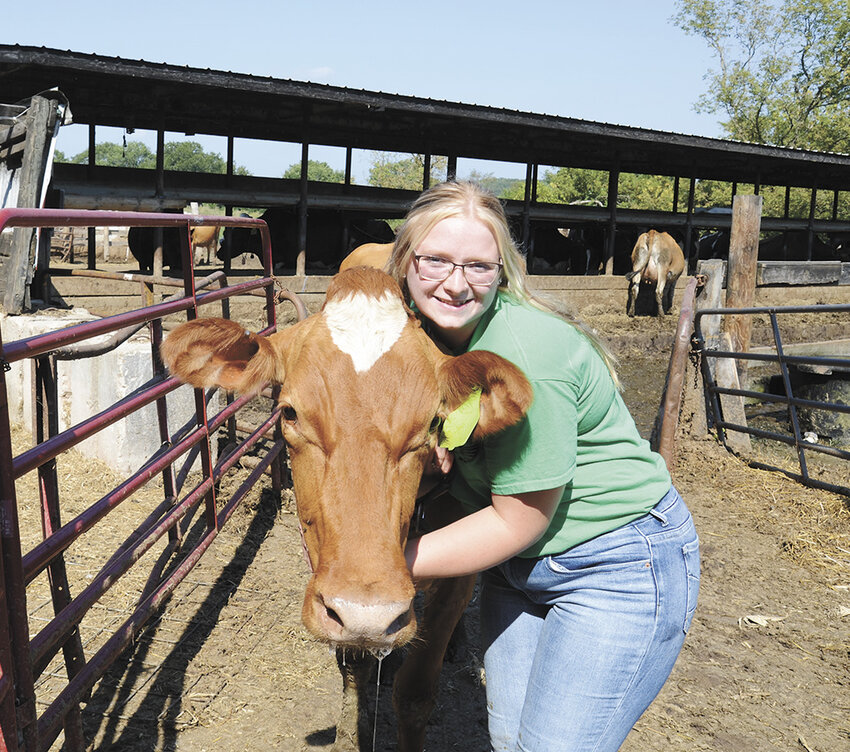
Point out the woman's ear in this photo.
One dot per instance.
(505, 391)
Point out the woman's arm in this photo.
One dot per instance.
(484, 538)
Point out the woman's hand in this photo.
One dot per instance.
(443, 460)
(436, 469)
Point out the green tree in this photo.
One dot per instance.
(108, 154)
(500, 187)
(316, 170)
(783, 75)
(387, 172)
(188, 156)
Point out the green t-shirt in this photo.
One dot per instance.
(578, 433)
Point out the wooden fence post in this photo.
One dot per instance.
(741, 277)
(18, 271)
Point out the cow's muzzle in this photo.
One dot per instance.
(369, 625)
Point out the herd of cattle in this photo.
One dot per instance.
(578, 249)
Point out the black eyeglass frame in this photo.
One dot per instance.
(418, 256)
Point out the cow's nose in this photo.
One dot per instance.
(364, 623)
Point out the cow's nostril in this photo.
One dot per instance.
(333, 616)
(400, 623)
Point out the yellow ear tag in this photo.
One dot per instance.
(460, 423)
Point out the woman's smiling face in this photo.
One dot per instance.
(453, 305)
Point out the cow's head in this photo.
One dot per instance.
(238, 240)
(363, 392)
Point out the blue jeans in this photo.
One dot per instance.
(577, 645)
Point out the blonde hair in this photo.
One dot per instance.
(464, 198)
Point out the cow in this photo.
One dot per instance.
(142, 243)
(204, 237)
(656, 258)
(793, 245)
(375, 255)
(790, 245)
(325, 237)
(363, 393)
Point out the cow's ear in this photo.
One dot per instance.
(218, 352)
(505, 392)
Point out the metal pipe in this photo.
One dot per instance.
(676, 375)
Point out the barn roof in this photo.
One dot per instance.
(113, 91)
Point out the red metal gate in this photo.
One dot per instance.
(24, 655)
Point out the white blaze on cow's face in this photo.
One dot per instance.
(365, 327)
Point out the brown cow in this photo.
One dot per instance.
(363, 393)
(656, 258)
(204, 237)
(375, 255)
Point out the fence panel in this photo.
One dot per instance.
(29, 644)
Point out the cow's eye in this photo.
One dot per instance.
(289, 414)
(435, 424)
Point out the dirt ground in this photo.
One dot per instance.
(228, 667)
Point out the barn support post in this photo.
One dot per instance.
(228, 208)
(535, 168)
(526, 219)
(158, 239)
(741, 278)
(301, 258)
(810, 233)
(451, 167)
(690, 222)
(40, 124)
(613, 191)
(426, 172)
(348, 159)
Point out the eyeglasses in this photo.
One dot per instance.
(438, 269)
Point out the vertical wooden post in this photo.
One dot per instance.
(301, 258)
(426, 172)
(613, 192)
(526, 218)
(40, 122)
(810, 234)
(158, 237)
(741, 279)
(451, 167)
(228, 208)
(348, 154)
(534, 169)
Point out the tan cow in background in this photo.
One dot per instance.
(656, 258)
(363, 393)
(205, 238)
(375, 255)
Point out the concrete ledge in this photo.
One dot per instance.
(88, 386)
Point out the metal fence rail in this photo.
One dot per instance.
(795, 437)
(24, 657)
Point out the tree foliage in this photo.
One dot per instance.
(188, 156)
(316, 170)
(783, 69)
(407, 173)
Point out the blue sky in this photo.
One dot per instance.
(614, 61)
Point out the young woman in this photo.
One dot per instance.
(589, 555)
